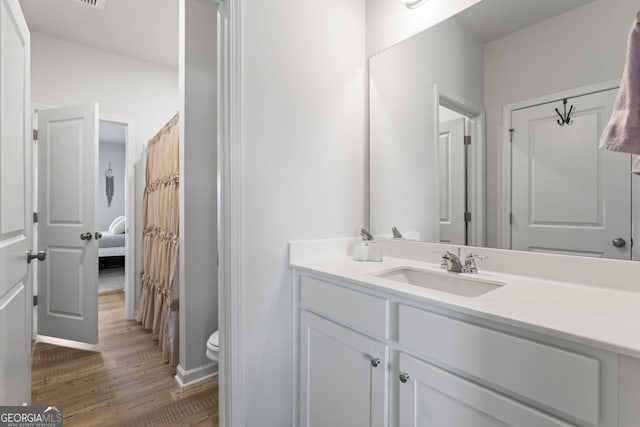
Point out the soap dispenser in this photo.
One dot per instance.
(367, 249)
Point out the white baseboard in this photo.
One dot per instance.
(191, 376)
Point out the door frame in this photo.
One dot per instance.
(230, 208)
(130, 214)
(504, 225)
(130, 209)
(475, 115)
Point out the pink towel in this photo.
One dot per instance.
(623, 131)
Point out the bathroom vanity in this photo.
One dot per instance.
(403, 343)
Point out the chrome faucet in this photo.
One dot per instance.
(451, 262)
(470, 263)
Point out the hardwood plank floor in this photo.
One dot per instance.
(122, 381)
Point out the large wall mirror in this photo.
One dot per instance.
(484, 130)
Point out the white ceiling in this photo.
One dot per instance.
(142, 29)
(112, 133)
(492, 19)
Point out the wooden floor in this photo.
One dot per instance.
(121, 381)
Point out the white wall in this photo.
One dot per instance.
(390, 21)
(114, 154)
(584, 46)
(198, 184)
(66, 73)
(303, 133)
(402, 122)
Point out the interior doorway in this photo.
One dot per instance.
(113, 221)
(461, 170)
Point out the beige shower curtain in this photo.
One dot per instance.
(158, 305)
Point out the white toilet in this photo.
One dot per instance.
(212, 347)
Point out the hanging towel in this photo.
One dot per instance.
(623, 131)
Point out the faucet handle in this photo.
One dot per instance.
(470, 263)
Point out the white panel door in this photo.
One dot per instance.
(432, 397)
(342, 376)
(568, 196)
(67, 223)
(15, 207)
(452, 187)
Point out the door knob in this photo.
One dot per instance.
(86, 236)
(98, 235)
(40, 256)
(619, 242)
(404, 377)
(375, 362)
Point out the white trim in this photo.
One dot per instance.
(504, 227)
(191, 376)
(476, 114)
(130, 214)
(230, 273)
(478, 202)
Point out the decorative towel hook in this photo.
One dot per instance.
(565, 118)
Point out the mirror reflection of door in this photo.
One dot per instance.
(451, 176)
(568, 196)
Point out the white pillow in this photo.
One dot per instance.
(119, 227)
(115, 223)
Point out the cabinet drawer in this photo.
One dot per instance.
(559, 379)
(360, 311)
(432, 396)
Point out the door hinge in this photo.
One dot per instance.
(35, 217)
(35, 134)
(467, 217)
(35, 300)
(467, 140)
(511, 134)
(510, 218)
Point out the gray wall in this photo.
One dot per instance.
(584, 46)
(198, 186)
(303, 83)
(116, 155)
(402, 122)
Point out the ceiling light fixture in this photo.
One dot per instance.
(412, 4)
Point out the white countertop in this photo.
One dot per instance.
(600, 317)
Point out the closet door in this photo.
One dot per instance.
(67, 223)
(568, 196)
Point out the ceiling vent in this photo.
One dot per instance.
(96, 4)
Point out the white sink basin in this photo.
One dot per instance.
(454, 283)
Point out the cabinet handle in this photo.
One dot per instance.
(375, 362)
(404, 377)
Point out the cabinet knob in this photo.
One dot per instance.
(375, 362)
(404, 377)
(619, 242)
(86, 236)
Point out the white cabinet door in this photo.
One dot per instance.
(342, 376)
(451, 177)
(67, 215)
(15, 207)
(431, 397)
(568, 196)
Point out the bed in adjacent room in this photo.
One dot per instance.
(111, 244)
